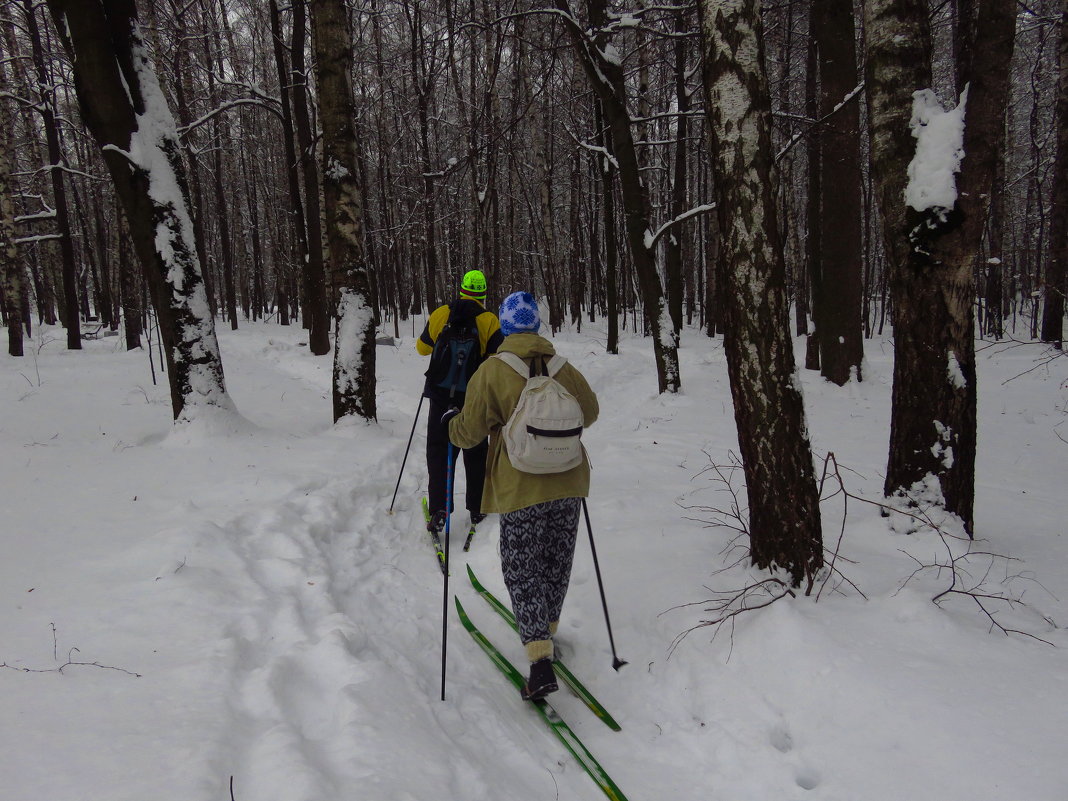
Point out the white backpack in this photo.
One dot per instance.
(544, 433)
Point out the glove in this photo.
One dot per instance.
(451, 413)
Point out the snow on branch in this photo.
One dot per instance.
(603, 152)
(44, 168)
(32, 240)
(652, 238)
(634, 19)
(243, 101)
(452, 164)
(669, 115)
(594, 55)
(50, 214)
(801, 134)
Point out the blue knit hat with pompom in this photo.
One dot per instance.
(519, 314)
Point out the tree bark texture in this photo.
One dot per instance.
(131, 287)
(784, 513)
(10, 267)
(125, 111)
(1053, 310)
(220, 133)
(813, 243)
(674, 246)
(317, 311)
(840, 249)
(932, 252)
(354, 348)
(295, 208)
(71, 315)
(606, 172)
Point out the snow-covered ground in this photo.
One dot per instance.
(237, 601)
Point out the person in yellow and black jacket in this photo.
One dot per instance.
(457, 337)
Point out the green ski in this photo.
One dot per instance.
(559, 667)
(553, 720)
(437, 539)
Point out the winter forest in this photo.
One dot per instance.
(810, 252)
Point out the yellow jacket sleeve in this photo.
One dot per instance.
(424, 346)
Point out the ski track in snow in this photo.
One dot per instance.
(321, 652)
(321, 671)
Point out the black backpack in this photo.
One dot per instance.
(457, 350)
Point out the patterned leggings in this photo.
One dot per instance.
(537, 548)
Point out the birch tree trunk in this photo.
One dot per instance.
(784, 513)
(354, 347)
(125, 110)
(932, 252)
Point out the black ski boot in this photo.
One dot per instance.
(476, 518)
(437, 522)
(542, 680)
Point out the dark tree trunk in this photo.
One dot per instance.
(674, 267)
(252, 201)
(10, 268)
(56, 162)
(214, 59)
(1053, 310)
(296, 205)
(840, 250)
(123, 107)
(813, 245)
(606, 170)
(317, 312)
(107, 304)
(131, 290)
(933, 415)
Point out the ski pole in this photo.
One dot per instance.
(445, 595)
(617, 663)
(407, 448)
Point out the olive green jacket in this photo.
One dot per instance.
(492, 395)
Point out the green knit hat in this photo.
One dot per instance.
(474, 285)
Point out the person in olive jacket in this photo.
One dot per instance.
(539, 513)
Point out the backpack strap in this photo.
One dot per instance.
(556, 364)
(513, 361)
(552, 367)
